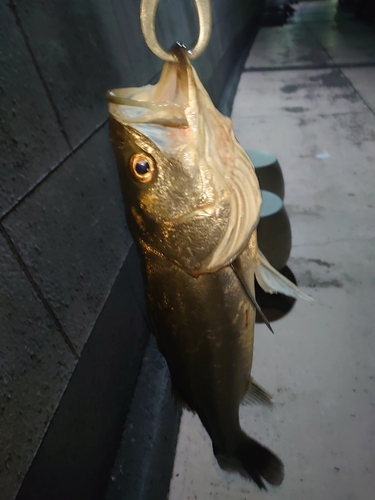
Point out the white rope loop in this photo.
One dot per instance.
(148, 14)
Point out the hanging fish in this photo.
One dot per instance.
(192, 203)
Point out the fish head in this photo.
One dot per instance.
(187, 184)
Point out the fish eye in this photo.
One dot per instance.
(142, 167)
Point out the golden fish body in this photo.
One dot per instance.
(204, 328)
(192, 202)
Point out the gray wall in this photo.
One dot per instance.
(63, 235)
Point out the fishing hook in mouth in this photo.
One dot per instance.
(148, 14)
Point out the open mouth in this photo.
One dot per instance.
(161, 104)
(178, 115)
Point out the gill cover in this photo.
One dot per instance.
(179, 118)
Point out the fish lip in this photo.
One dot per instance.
(114, 96)
(118, 96)
(180, 53)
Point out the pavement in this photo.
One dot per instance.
(307, 94)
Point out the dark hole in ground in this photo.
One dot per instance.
(277, 305)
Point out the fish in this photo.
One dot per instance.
(192, 202)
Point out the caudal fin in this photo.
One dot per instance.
(254, 461)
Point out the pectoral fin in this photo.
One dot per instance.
(256, 394)
(274, 282)
(238, 271)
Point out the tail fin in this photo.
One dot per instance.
(259, 462)
(255, 462)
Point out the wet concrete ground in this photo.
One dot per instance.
(307, 94)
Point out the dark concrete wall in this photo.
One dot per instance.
(63, 235)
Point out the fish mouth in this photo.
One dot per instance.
(164, 103)
(179, 117)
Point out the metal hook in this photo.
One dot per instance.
(148, 13)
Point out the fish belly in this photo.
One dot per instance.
(205, 330)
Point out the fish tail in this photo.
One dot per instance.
(259, 462)
(255, 462)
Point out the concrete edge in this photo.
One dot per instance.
(144, 463)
